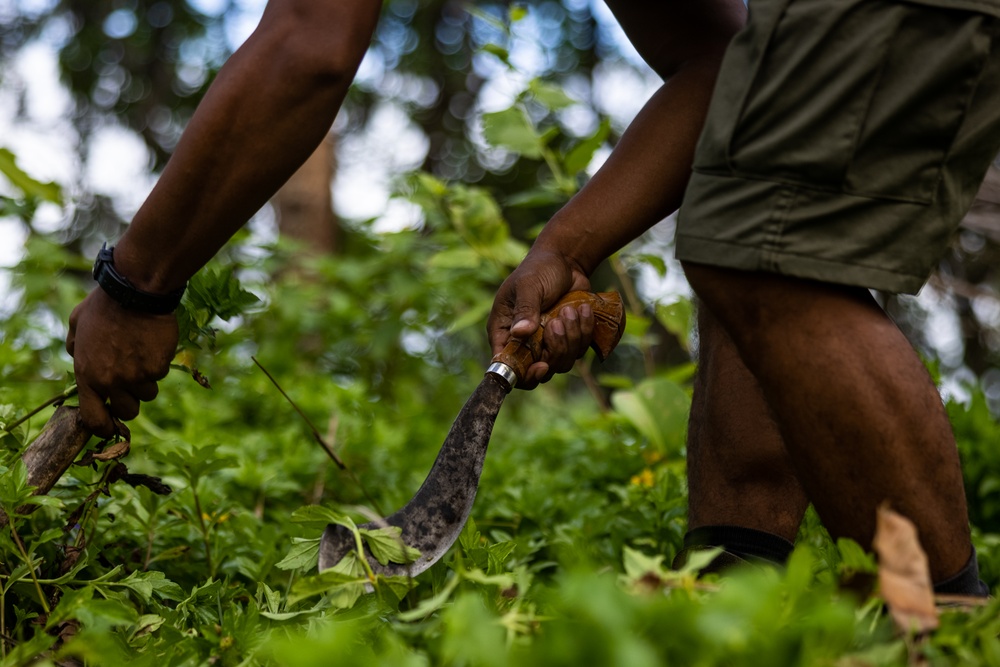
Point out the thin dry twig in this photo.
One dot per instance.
(62, 396)
(319, 438)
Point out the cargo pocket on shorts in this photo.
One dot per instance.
(863, 98)
(924, 90)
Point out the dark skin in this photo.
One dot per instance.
(642, 181)
(268, 109)
(805, 391)
(274, 101)
(738, 472)
(859, 415)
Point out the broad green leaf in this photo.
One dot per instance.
(479, 577)
(579, 157)
(14, 488)
(387, 545)
(637, 564)
(430, 605)
(147, 624)
(470, 538)
(511, 129)
(800, 567)
(498, 555)
(207, 591)
(498, 51)
(517, 13)
(267, 598)
(303, 555)
(146, 584)
(677, 318)
(656, 261)
(853, 558)
(69, 603)
(658, 409)
(636, 325)
(286, 615)
(316, 517)
(43, 501)
(399, 585)
(544, 195)
(698, 559)
(345, 582)
(323, 582)
(550, 95)
(105, 614)
(31, 187)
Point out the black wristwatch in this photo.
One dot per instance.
(125, 293)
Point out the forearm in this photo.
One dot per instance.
(268, 109)
(643, 180)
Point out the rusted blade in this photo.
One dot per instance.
(433, 519)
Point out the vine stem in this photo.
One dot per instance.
(361, 556)
(31, 569)
(67, 393)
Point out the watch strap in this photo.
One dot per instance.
(125, 293)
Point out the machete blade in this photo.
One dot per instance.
(433, 519)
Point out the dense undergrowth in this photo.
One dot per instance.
(204, 553)
(579, 508)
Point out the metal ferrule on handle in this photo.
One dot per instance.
(505, 372)
(519, 354)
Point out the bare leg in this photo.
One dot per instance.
(860, 417)
(739, 473)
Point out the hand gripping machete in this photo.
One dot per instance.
(433, 519)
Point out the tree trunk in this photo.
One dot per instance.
(304, 205)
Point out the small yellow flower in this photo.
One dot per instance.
(651, 456)
(645, 478)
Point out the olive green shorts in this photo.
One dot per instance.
(845, 140)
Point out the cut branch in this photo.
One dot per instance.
(52, 452)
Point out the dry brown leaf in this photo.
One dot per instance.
(903, 573)
(113, 452)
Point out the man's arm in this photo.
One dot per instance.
(270, 106)
(640, 184)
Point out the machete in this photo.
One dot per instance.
(433, 519)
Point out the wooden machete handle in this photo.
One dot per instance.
(609, 324)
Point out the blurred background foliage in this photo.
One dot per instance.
(469, 125)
